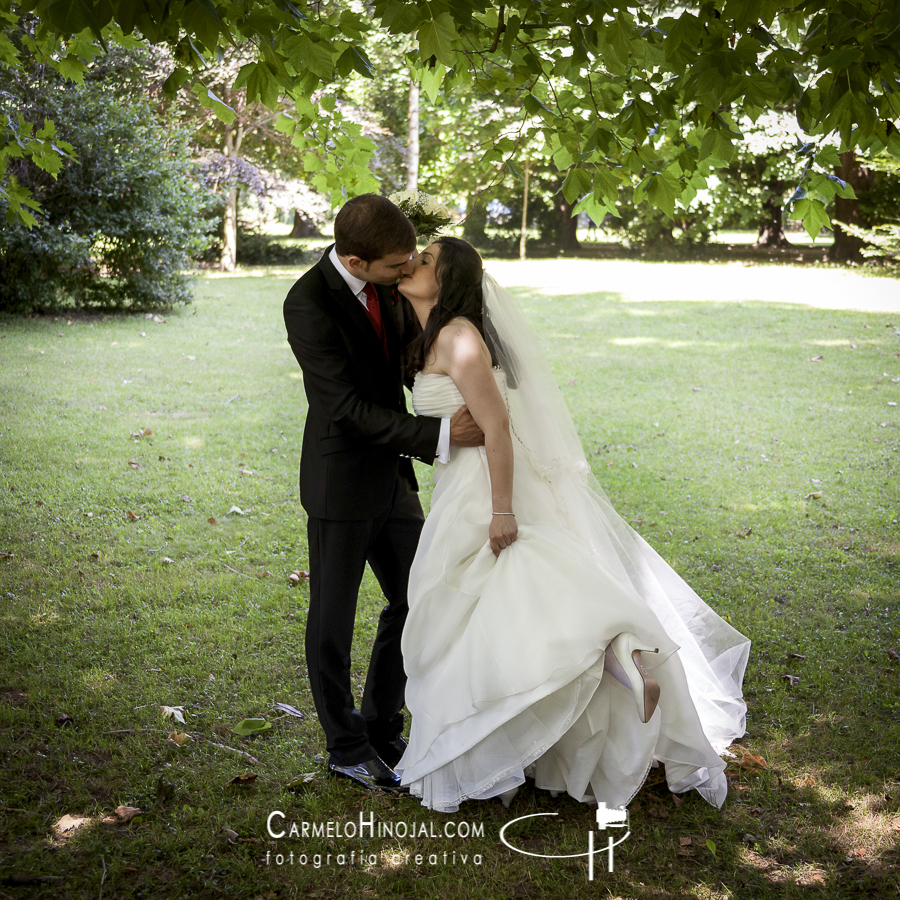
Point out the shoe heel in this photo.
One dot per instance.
(644, 686)
(651, 687)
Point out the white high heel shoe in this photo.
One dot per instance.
(507, 797)
(643, 685)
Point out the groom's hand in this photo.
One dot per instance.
(464, 431)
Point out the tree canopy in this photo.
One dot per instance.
(646, 95)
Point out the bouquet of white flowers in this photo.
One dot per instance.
(427, 214)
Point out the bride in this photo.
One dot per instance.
(545, 637)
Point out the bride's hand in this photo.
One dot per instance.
(503, 532)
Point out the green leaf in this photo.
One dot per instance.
(318, 57)
(431, 81)
(596, 208)
(661, 193)
(201, 18)
(263, 86)
(358, 61)
(514, 170)
(436, 39)
(207, 99)
(711, 846)
(174, 82)
(72, 68)
(815, 218)
(72, 16)
(251, 726)
(606, 186)
(619, 41)
(577, 182)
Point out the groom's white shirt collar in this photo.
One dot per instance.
(355, 284)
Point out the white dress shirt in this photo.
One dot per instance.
(357, 286)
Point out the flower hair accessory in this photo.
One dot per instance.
(427, 214)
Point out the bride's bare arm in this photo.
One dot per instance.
(462, 354)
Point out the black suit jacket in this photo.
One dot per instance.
(358, 433)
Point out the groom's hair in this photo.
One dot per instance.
(371, 227)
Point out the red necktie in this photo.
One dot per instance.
(373, 308)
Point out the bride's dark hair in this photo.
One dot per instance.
(458, 271)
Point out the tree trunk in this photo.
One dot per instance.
(304, 227)
(846, 247)
(233, 137)
(771, 229)
(568, 227)
(228, 261)
(475, 222)
(412, 138)
(524, 234)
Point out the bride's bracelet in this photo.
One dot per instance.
(503, 514)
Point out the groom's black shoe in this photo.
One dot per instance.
(373, 774)
(392, 750)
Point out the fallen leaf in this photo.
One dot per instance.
(6, 555)
(251, 726)
(131, 515)
(70, 823)
(290, 710)
(298, 576)
(245, 471)
(179, 738)
(685, 841)
(744, 532)
(168, 561)
(796, 656)
(186, 499)
(751, 839)
(815, 495)
(127, 813)
(236, 510)
(300, 781)
(791, 679)
(173, 712)
(230, 835)
(63, 720)
(815, 359)
(892, 653)
(244, 780)
(748, 760)
(212, 520)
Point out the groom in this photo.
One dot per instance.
(357, 483)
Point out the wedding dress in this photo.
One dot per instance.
(506, 656)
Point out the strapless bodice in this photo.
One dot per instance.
(436, 394)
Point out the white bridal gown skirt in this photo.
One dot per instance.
(505, 656)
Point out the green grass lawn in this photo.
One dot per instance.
(150, 520)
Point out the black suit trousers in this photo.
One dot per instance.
(338, 552)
